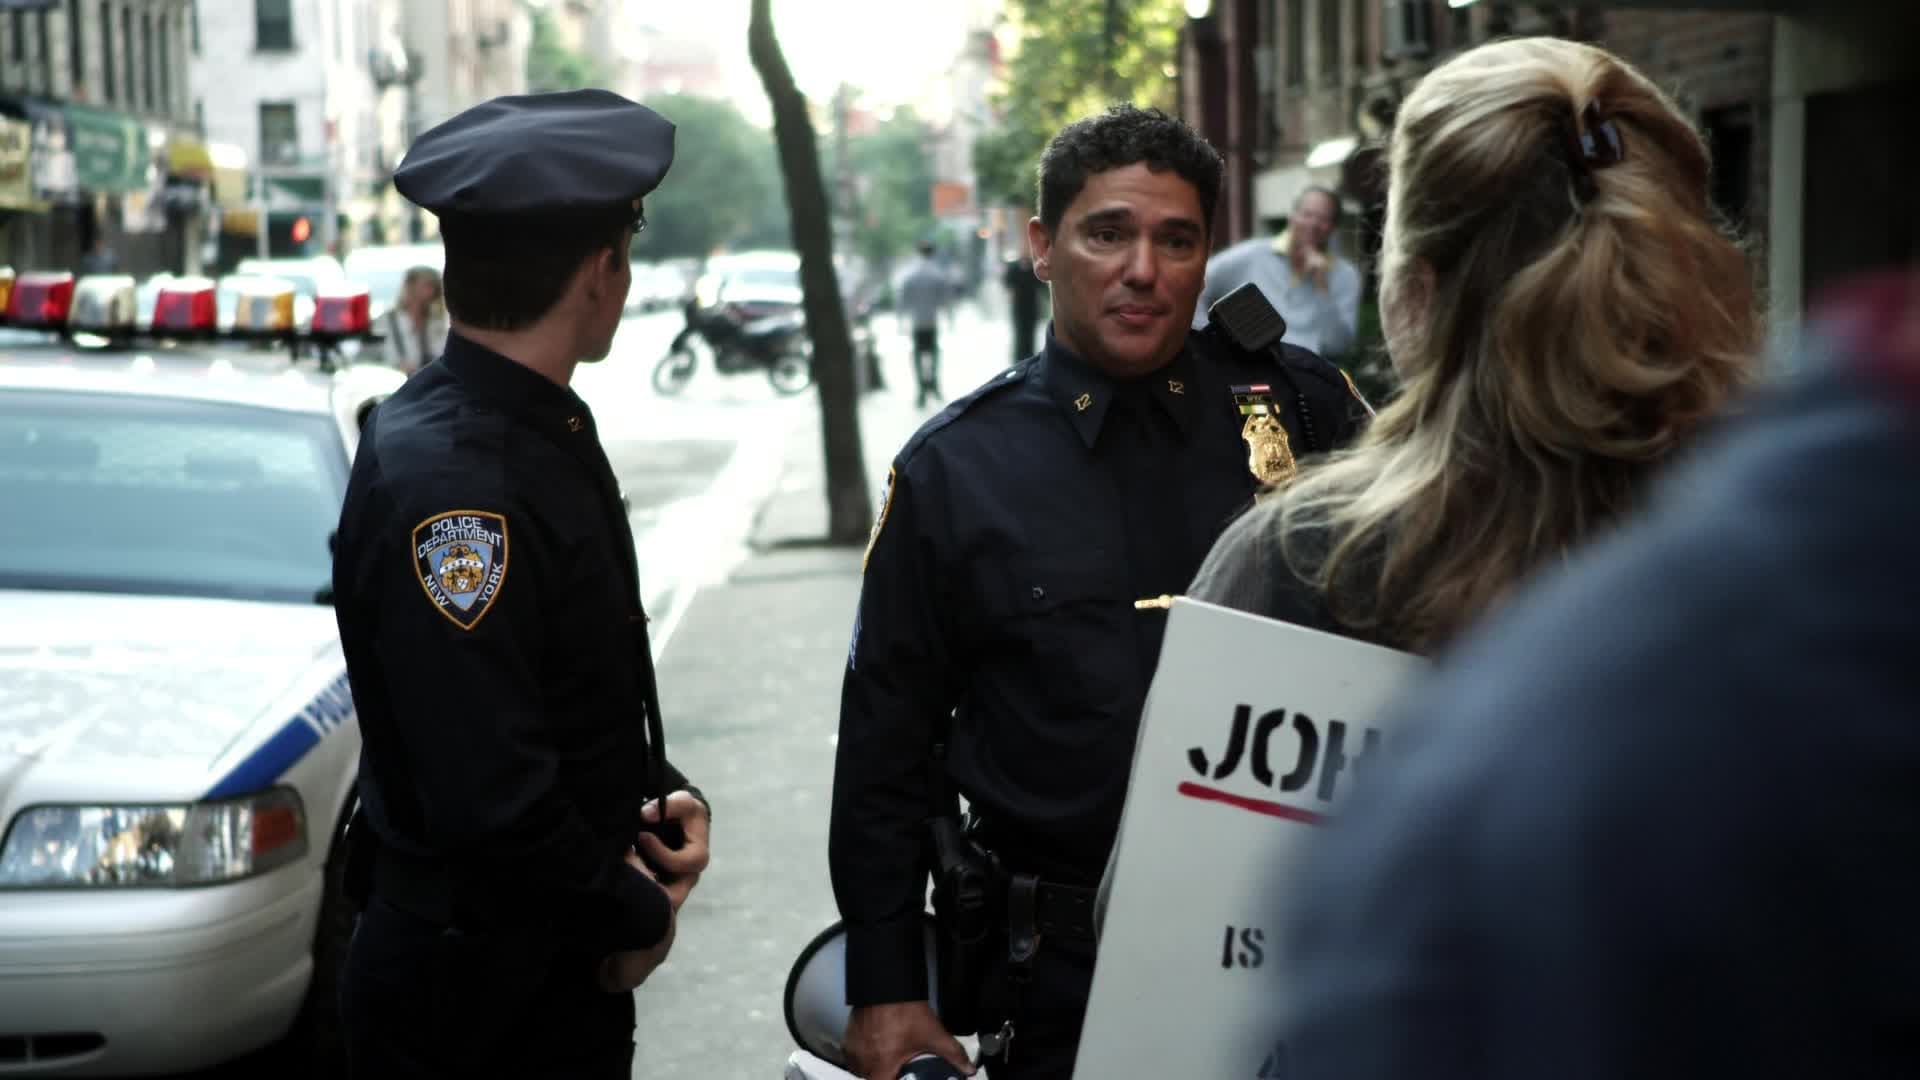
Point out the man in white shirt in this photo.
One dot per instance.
(1316, 291)
(924, 293)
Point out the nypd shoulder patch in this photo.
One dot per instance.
(880, 522)
(460, 558)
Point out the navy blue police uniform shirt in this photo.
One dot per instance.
(489, 606)
(1019, 528)
(1661, 818)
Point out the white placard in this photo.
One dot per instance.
(1253, 730)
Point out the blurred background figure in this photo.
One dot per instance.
(1546, 204)
(1659, 820)
(1316, 291)
(925, 292)
(101, 258)
(1024, 295)
(415, 327)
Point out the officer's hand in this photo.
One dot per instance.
(688, 861)
(621, 972)
(881, 1038)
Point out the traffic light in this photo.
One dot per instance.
(302, 230)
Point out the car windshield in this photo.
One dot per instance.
(117, 493)
(784, 279)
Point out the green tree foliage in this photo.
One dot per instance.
(893, 174)
(1072, 58)
(553, 66)
(724, 189)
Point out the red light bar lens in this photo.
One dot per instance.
(41, 299)
(342, 312)
(189, 309)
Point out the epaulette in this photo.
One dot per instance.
(1877, 321)
(1331, 376)
(959, 407)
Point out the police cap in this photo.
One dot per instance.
(538, 170)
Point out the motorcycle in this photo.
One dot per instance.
(739, 343)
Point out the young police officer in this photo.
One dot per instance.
(999, 611)
(489, 607)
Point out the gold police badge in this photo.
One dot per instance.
(1269, 451)
(460, 558)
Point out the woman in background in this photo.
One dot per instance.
(1564, 312)
(415, 327)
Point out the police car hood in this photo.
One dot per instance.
(95, 678)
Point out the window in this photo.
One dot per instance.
(166, 86)
(1408, 29)
(1330, 41)
(46, 54)
(106, 52)
(279, 136)
(126, 54)
(146, 62)
(273, 25)
(1296, 42)
(76, 48)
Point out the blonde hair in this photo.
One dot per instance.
(1584, 319)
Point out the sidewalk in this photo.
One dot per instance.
(750, 683)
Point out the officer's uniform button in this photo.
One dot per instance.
(1039, 593)
(575, 424)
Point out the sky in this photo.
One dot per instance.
(890, 49)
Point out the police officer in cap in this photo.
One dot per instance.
(527, 843)
(1013, 603)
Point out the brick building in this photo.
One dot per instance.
(1298, 92)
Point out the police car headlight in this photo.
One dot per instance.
(54, 847)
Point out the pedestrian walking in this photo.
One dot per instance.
(1000, 649)
(516, 832)
(925, 293)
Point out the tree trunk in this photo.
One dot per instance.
(849, 506)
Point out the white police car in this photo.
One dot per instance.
(177, 739)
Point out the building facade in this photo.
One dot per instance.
(97, 144)
(1301, 92)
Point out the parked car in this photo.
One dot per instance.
(180, 744)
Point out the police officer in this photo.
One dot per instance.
(523, 879)
(999, 616)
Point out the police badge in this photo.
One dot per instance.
(461, 560)
(1269, 451)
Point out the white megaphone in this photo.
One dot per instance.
(817, 1010)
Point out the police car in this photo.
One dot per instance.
(177, 739)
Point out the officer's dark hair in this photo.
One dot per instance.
(491, 285)
(1121, 136)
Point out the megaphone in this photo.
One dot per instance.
(817, 1010)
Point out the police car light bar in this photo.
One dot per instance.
(40, 300)
(103, 306)
(187, 307)
(343, 312)
(6, 290)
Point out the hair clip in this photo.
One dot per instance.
(1595, 141)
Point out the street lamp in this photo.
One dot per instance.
(1199, 9)
(1461, 3)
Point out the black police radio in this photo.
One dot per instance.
(1246, 321)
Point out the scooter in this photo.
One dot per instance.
(776, 344)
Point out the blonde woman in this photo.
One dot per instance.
(1564, 312)
(415, 328)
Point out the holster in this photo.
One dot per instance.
(964, 902)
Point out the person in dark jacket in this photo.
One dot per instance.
(1659, 818)
(513, 784)
(1011, 603)
(1546, 205)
